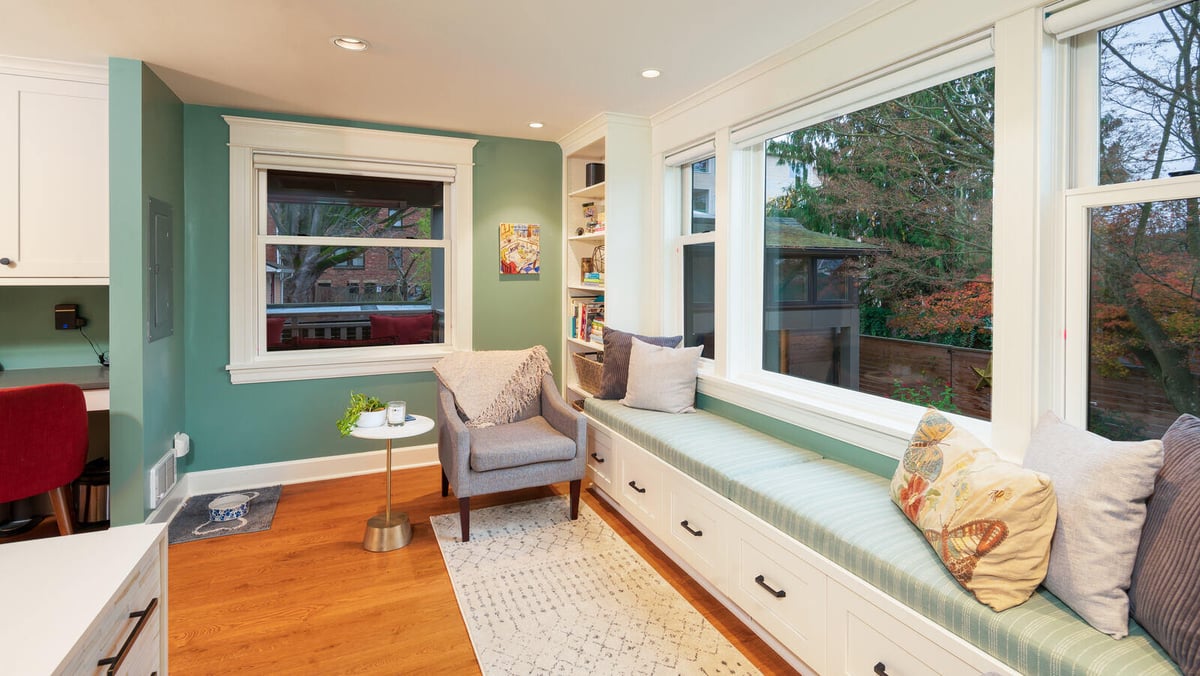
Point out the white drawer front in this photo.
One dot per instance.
(641, 490)
(601, 461)
(697, 529)
(783, 593)
(862, 635)
(114, 625)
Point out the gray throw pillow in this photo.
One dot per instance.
(615, 374)
(662, 378)
(1102, 488)
(1165, 595)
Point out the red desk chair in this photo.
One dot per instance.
(43, 445)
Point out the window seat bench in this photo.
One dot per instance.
(861, 586)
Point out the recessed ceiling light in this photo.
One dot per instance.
(536, 125)
(347, 42)
(651, 73)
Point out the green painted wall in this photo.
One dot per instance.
(29, 340)
(235, 425)
(146, 380)
(819, 443)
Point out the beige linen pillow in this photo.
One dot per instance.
(1102, 488)
(662, 378)
(989, 520)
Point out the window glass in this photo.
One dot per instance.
(326, 294)
(1144, 333)
(877, 248)
(1148, 108)
(699, 273)
(700, 208)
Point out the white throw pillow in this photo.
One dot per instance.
(662, 378)
(1102, 488)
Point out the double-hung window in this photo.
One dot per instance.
(349, 250)
(1132, 219)
(695, 242)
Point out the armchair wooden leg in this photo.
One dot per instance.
(464, 517)
(62, 510)
(576, 485)
(445, 484)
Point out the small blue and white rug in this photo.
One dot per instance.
(193, 522)
(542, 594)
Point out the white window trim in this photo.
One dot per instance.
(677, 214)
(346, 150)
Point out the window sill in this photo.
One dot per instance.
(879, 425)
(334, 363)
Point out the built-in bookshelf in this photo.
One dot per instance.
(604, 222)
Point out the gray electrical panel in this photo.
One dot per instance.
(160, 271)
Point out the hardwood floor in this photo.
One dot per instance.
(304, 597)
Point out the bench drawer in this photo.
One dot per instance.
(641, 489)
(863, 635)
(696, 528)
(783, 593)
(601, 461)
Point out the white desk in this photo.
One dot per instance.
(93, 380)
(389, 531)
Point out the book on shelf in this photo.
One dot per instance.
(586, 314)
(593, 278)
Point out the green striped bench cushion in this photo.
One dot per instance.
(710, 449)
(847, 515)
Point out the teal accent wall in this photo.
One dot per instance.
(831, 448)
(147, 379)
(29, 340)
(249, 424)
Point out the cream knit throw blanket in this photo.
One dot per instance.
(492, 387)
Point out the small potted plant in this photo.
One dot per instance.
(363, 411)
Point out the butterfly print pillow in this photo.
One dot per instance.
(990, 521)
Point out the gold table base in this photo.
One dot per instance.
(385, 534)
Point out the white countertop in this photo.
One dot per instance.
(55, 587)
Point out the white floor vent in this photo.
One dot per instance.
(161, 479)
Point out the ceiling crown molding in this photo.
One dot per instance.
(58, 70)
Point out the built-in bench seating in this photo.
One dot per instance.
(846, 515)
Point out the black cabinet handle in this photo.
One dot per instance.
(143, 616)
(634, 486)
(763, 583)
(688, 528)
(881, 669)
(5, 260)
(597, 458)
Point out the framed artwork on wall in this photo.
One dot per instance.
(520, 249)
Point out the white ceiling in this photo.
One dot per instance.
(487, 67)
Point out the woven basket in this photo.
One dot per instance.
(588, 368)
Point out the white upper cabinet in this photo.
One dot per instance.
(53, 175)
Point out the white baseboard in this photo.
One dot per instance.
(300, 471)
(171, 503)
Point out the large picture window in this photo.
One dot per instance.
(877, 266)
(349, 250)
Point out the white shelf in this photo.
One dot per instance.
(586, 287)
(588, 344)
(594, 191)
(575, 389)
(589, 237)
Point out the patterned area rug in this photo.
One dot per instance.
(542, 594)
(192, 521)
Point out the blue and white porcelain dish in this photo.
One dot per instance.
(229, 507)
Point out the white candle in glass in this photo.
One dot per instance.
(396, 412)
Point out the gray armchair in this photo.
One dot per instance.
(546, 444)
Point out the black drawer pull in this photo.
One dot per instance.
(597, 458)
(688, 528)
(634, 486)
(143, 617)
(776, 593)
(881, 669)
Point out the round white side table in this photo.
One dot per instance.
(389, 531)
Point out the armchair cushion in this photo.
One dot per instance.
(526, 442)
